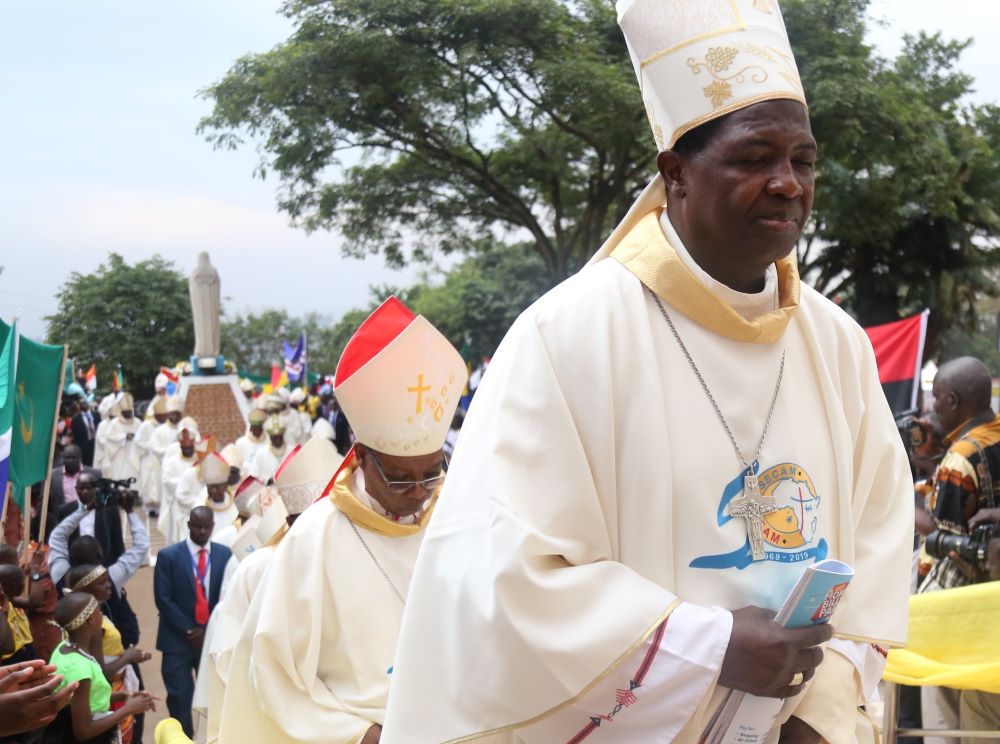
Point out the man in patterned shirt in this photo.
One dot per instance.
(968, 478)
(965, 484)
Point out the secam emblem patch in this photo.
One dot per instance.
(789, 532)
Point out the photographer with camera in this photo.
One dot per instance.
(966, 494)
(100, 502)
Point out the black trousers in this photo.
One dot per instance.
(179, 670)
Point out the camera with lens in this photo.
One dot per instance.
(912, 430)
(114, 493)
(970, 547)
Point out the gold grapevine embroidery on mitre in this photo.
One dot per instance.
(657, 129)
(764, 6)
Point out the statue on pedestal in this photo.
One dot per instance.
(204, 287)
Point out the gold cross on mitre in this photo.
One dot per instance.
(752, 506)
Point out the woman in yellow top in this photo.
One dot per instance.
(15, 646)
(107, 648)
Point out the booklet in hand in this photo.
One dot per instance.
(746, 719)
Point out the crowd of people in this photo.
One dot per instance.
(574, 566)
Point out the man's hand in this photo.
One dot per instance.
(984, 516)
(196, 636)
(763, 657)
(797, 731)
(129, 437)
(37, 559)
(26, 699)
(373, 735)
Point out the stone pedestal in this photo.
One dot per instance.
(217, 404)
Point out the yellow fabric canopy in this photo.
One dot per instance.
(952, 640)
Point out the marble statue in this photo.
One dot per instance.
(205, 307)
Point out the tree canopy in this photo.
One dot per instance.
(253, 341)
(462, 125)
(433, 124)
(136, 316)
(908, 187)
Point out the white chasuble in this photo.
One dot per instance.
(174, 466)
(121, 455)
(317, 650)
(566, 586)
(221, 638)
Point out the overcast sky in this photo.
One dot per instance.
(100, 153)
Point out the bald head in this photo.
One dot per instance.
(962, 389)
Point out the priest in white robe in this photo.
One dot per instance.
(214, 472)
(120, 451)
(178, 460)
(328, 612)
(149, 461)
(160, 395)
(266, 459)
(301, 478)
(587, 575)
(252, 441)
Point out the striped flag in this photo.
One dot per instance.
(173, 380)
(899, 353)
(91, 377)
(8, 368)
(295, 359)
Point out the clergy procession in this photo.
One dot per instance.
(687, 498)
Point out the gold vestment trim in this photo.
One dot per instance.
(647, 254)
(343, 498)
(555, 709)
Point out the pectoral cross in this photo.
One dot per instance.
(752, 506)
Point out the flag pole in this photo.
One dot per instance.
(3, 516)
(27, 518)
(52, 448)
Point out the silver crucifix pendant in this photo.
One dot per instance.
(752, 506)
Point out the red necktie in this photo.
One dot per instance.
(201, 612)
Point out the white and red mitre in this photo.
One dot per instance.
(245, 496)
(304, 473)
(399, 381)
(697, 60)
(213, 469)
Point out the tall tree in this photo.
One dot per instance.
(433, 124)
(138, 316)
(908, 188)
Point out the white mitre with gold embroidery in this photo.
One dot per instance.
(304, 473)
(697, 60)
(399, 381)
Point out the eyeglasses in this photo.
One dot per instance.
(401, 487)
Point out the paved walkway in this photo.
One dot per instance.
(140, 596)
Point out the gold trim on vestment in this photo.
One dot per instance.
(647, 254)
(343, 498)
(743, 103)
(868, 639)
(552, 711)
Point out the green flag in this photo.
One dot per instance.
(37, 388)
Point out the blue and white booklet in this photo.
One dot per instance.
(747, 719)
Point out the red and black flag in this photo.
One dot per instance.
(899, 352)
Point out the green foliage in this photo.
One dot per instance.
(908, 189)
(137, 316)
(426, 125)
(481, 297)
(253, 341)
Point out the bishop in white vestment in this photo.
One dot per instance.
(121, 454)
(328, 613)
(585, 570)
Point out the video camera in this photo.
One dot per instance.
(116, 493)
(970, 547)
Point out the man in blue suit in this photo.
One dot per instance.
(187, 583)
